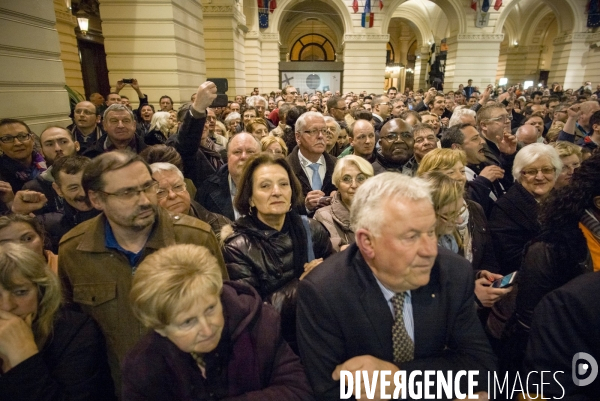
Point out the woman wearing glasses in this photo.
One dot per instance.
(513, 221)
(349, 174)
(514, 218)
(566, 247)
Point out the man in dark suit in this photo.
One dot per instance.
(392, 301)
(310, 161)
(217, 192)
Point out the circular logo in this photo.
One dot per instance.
(313, 81)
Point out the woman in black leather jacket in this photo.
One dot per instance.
(270, 247)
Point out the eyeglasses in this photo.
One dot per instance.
(316, 131)
(131, 193)
(383, 103)
(162, 193)
(11, 139)
(84, 112)
(533, 172)
(359, 179)
(394, 136)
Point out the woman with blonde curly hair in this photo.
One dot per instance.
(46, 352)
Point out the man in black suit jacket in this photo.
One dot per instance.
(345, 313)
(216, 193)
(310, 136)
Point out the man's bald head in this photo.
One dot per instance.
(527, 134)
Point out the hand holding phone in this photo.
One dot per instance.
(505, 281)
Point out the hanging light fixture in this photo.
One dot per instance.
(83, 21)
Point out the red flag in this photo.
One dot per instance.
(272, 5)
(261, 3)
(355, 6)
(474, 5)
(380, 5)
(497, 5)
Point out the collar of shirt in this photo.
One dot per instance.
(305, 162)
(111, 242)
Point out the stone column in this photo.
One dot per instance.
(253, 62)
(144, 42)
(569, 60)
(472, 56)
(224, 29)
(364, 63)
(69, 53)
(268, 68)
(420, 74)
(523, 64)
(33, 77)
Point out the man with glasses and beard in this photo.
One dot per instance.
(99, 257)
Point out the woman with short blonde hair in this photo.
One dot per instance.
(451, 162)
(207, 337)
(350, 172)
(168, 282)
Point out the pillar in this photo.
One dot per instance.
(253, 62)
(472, 56)
(33, 77)
(224, 29)
(364, 62)
(269, 62)
(420, 74)
(569, 60)
(522, 64)
(145, 43)
(69, 53)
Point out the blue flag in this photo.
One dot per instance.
(485, 7)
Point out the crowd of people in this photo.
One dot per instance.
(256, 250)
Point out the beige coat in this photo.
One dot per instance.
(336, 219)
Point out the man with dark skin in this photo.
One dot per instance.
(397, 149)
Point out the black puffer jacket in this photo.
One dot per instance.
(263, 256)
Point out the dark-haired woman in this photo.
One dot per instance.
(272, 246)
(568, 246)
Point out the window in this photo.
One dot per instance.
(312, 47)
